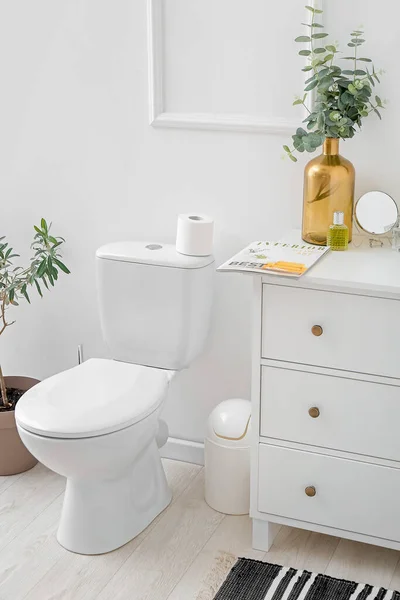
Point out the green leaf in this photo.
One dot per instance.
(311, 86)
(327, 58)
(347, 72)
(310, 8)
(318, 36)
(43, 225)
(319, 50)
(303, 38)
(365, 59)
(42, 268)
(307, 68)
(331, 48)
(326, 82)
(286, 149)
(323, 72)
(61, 266)
(300, 132)
(320, 120)
(358, 41)
(378, 113)
(351, 45)
(38, 230)
(313, 25)
(293, 158)
(25, 293)
(360, 72)
(305, 52)
(38, 288)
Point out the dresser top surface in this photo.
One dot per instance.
(361, 269)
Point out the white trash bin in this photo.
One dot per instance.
(227, 457)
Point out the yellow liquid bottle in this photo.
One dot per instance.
(338, 233)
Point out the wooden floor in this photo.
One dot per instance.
(173, 559)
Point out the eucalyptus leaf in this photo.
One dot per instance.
(311, 86)
(300, 132)
(303, 38)
(319, 50)
(323, 72)
(305, 52)
(311, 25)
(310, 79)
(319, 36)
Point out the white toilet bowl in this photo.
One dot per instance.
(97, 424)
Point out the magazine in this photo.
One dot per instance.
(284, 257)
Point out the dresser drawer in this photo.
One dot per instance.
(346, 414)
(359, 333)
(350, 495)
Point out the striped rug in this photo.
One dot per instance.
(255, 580)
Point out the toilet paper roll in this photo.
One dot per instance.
(194, 235)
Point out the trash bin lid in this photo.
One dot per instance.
(229, 423)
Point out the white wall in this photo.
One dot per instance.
(76, 147)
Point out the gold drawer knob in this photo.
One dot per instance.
(310, 491)
(314, 412)
(317, 330)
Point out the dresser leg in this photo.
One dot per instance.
(264, 533)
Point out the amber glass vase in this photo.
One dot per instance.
(328, 187)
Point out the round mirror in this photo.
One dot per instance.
(376, 213)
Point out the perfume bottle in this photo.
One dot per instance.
(338, 233)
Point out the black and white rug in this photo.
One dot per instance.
(254, 580)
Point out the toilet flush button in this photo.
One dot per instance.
(154, 246)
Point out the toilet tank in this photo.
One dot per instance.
(155, 304)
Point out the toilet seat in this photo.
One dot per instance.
(99, 396)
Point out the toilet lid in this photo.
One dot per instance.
(97, 397)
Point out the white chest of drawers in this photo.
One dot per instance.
(326, 400)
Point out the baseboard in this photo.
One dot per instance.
(184, 450)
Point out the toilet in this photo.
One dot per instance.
(98, 424)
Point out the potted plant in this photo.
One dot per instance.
(15, 283)
(343, 97)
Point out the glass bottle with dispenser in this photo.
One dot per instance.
(338, 233)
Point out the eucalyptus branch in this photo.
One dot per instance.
(343, 97)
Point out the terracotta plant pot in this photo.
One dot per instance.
(14, 457)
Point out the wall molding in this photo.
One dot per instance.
(184, 450)
(158, 117)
